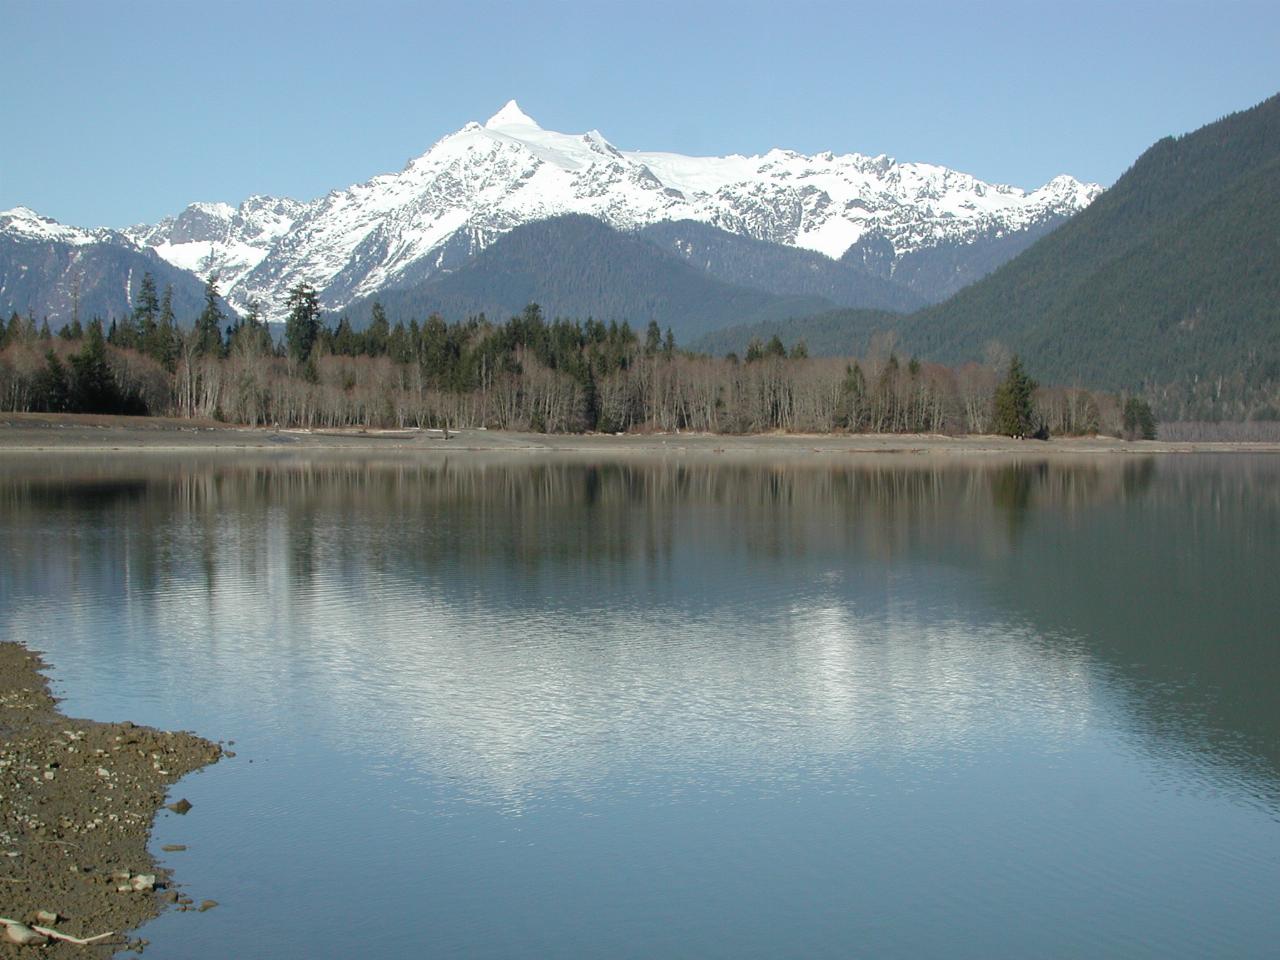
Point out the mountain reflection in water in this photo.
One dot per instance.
(522, 635)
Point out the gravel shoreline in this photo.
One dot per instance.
(26, 433)
(77, 801)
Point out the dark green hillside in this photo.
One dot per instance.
(837, 333)
(779, 269)
(1168, 281)
(1200, 297)
(576, 266)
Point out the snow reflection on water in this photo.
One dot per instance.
(730, 711)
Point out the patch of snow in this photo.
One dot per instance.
(832, 238)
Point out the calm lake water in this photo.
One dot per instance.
(495, 708)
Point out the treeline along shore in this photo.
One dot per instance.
(527, 373)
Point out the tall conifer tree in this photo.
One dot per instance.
(208, 331)
(1015, 416)
(302, 328)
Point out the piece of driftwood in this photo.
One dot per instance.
(55, 935)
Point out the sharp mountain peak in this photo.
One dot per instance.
(511, 116)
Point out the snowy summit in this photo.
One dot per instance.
(510, 116)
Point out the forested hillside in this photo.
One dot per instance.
(833, 333)
(1169, 282)
(576, 266)
(780, 269)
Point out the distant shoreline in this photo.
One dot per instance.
(86, 433)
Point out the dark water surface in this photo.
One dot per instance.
(559, 708)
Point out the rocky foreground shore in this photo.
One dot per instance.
(77, 800)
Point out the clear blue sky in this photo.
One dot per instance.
(120, 112)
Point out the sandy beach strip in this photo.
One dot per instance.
(50, 433)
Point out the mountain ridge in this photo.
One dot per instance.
(578, 266)
(50, 269)
(477, 183)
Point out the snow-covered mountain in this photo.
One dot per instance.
(476, 184)
(49, 269)
(25, 225)
(219, 239)
(480, 182)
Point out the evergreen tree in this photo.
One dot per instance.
(72, 331)
(800, 351)
(250, 337)
(434, 347)
(265, 343)
(147, 307)
(45, 333)
(669, 345)
(1014, 414)
(146, 312)
(161, 343)
(302, 328)
(345, 341)
(93, 389)
(14, 319)
(51, 391)
(128, 331)
(775, 347)
(652, 338)
(208, 330)
(399, 346)
(124, 333)
(414, 341)
(375, 337)
(325, 339)
(1139, 421)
